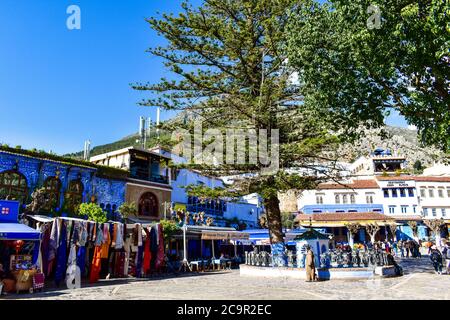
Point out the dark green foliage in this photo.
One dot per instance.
(355, 71)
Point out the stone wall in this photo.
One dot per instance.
(134, 191)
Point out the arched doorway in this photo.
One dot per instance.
(148, 205)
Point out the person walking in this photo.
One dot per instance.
(402, 250)
(407, 248)
(436, 258)
(446, 256)
(310, 266)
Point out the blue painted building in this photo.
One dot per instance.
(68, 182)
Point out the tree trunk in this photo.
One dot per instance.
(272, 206)
(350, 239)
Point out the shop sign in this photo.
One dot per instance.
(9, 211)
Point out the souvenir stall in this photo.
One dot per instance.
(20, 268)
(98, 250)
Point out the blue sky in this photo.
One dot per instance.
(59, 87)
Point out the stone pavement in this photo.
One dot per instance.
(419, 283)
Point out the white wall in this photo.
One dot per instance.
(436, 202)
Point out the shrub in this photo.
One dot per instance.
(93, 211)
(128, 209)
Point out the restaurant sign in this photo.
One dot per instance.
(9, 211)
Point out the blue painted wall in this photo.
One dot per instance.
(36, 171)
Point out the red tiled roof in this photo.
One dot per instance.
(415, 178)
(356, 184)
(432, 179)
(353, 216)
(391, 178)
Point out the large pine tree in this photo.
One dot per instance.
(229, 67)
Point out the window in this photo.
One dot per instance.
(402, 192)
(386, 193)
(394, 193)
(443, 212)
(448, 192)
(344, 199)
(148, 205)
(73, 196)
(433, 212)
(391, 209)
(352, 198)
(52, 186)
(431, 193)
(404, 209)
(369, 198)
(414, 208)
(337, 199)
(13, 186)
(422, 192)
(441, 193)
(319, 199)
(425, 212)
(411, 192)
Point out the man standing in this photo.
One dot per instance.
(309, 265)
(436, 258)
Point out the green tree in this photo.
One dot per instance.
(93, 211)
(418, 167)
(353, 66)
(229, 62)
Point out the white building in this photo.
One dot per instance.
(247, 209)
(434, 196)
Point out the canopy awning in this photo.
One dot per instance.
(18, 231)
(224, 235)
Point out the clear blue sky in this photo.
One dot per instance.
(59, 87)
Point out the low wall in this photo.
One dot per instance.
(300, 273)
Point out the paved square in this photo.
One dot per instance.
(419, 283)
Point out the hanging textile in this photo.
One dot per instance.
(147, 252)
(119, 270)
(53, 245)
(106, 242)
(160, 255)
(61, 259)
(96, 265)
(139, 258)
(81, 259)
(119, 236)
(45, 246)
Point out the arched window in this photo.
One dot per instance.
(13, 186)
(337, 199)
(74, 195)
(52, 186)
(352, 198)
(148, 205)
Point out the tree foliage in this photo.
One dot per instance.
(229, 65)
(354, 70)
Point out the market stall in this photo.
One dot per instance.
(19, 252)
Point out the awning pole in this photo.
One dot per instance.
(184, 245)
(212, 242)
(235, 249)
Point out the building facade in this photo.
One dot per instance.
(149, 182)
(67, 182)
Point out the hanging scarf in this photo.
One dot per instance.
(96, 265)
(81, 259)
(119, 237)
(61, 255)
(160, 256)
(147, 252)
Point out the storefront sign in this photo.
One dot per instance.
(9, 211)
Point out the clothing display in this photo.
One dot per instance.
(98, 249)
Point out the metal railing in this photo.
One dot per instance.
(331, 259)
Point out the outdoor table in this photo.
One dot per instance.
(198, 264)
